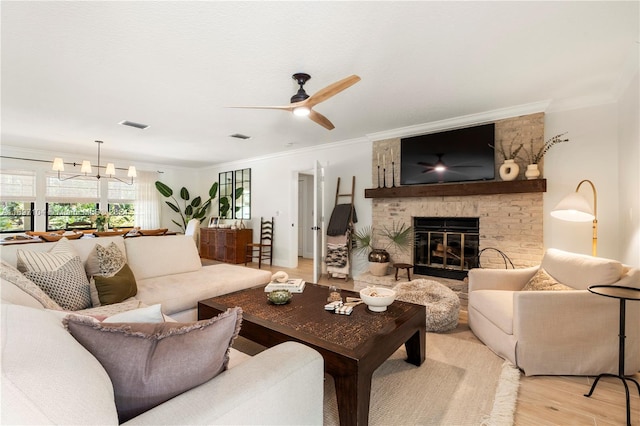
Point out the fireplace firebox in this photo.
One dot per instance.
(446, 246)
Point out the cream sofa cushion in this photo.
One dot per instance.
(181, 292)
(580, 271)
(37, 389)
(148, 259)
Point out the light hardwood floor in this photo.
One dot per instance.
(542, 400)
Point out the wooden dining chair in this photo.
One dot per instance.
(263, 249)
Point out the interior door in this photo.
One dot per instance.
(318, 220)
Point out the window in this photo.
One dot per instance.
(16, 216)
(18, 194)
(72, 202)
(121, 204)
(70, 215)
(121, 215)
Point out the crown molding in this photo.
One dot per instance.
(462, 121)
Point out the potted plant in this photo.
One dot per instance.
(534, 157)
(193, 209)
(399, 236)
(509, 169)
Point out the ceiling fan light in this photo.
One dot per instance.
(302, 111)
(439, 168)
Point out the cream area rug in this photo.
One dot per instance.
(460, 383)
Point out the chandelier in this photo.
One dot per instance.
(85, 169)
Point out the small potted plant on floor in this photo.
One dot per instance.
(367, 239)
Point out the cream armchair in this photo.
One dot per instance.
(552, 332)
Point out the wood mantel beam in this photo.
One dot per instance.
(459, 189)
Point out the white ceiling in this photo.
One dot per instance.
(72, 70)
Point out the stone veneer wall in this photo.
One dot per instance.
(511, 223)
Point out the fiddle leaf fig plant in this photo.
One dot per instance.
(190, 209)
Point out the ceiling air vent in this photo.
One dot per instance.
(134, 124)
(240, 136)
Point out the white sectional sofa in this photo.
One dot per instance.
(48, 377)
(550, 332)
(167, 269)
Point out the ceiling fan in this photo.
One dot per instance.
(302, 104)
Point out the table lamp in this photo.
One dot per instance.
(576, 208)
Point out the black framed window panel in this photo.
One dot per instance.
(70, 216)
(225, 195)
(16, 216)
(242, 192)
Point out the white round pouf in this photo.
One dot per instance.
(442, 303)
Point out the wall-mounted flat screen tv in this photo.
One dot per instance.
(453, 156)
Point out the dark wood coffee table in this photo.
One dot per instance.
(352, 346)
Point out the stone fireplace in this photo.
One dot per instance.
(509, 215)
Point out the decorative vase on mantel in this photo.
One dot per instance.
(378, 262)
(533, 172)
(509, 170)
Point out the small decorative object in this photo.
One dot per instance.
(398, 236)
(509, 170)
(377, 299)
(101, 220)
(334, 294)
(378, 262)
(532, 171)
(279, 277)
(536, 157)
(279, 297)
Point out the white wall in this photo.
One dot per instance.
(591, 153)
(629, 173)
(274, 189)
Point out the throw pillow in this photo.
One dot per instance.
(105, 260)
(116, 288)
(543, 281)
(12, 275)
(36, 261)
(67, 285)
(151, 363)
(116, 308)
(151, 313)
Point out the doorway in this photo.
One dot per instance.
(305, 216)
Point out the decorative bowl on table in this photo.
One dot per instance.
(279, 297)
(377, 298)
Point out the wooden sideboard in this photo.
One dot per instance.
(225, 245)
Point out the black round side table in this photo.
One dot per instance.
(623, 294)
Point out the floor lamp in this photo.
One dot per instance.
(576, 208)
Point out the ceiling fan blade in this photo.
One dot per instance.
(331, 90)
(321, 120)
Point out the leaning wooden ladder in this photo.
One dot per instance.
(334, 271)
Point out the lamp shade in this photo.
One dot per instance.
(86, 166)
(574, 208)
(58, 165)
(132, 172)
(111, 169)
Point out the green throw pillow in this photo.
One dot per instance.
(116, 288)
